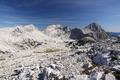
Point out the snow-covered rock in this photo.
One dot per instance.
(96, 76)
(116, 68)
(102, 58)
(51, 72)
(57, 31)
(110, 76)
(82, 77)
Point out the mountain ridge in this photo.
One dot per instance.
(93, 30)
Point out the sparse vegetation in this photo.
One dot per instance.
(83, 42)
(48, 50)
(2, 59)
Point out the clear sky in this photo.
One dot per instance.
(77, 13)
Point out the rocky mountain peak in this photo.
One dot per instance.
(96, 30)
(94, 27)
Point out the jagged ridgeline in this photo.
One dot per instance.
(91, 32)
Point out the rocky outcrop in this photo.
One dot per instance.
(51, 73)
(101, 58)
(28, 43)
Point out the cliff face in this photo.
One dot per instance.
(94, 30)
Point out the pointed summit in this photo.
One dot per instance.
(96, 30)
(94, 27)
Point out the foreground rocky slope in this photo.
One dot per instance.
(29, 54)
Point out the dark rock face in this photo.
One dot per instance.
(76, 34)
(97, 32)
(94, 27)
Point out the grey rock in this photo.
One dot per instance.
(94, 30)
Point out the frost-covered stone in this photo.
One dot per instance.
(116, 68)
(101, 58)
(51, 72)
(24, 74)
(96, 75)
(82, 77)
(110, 76)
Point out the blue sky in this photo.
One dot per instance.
(77, 13)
